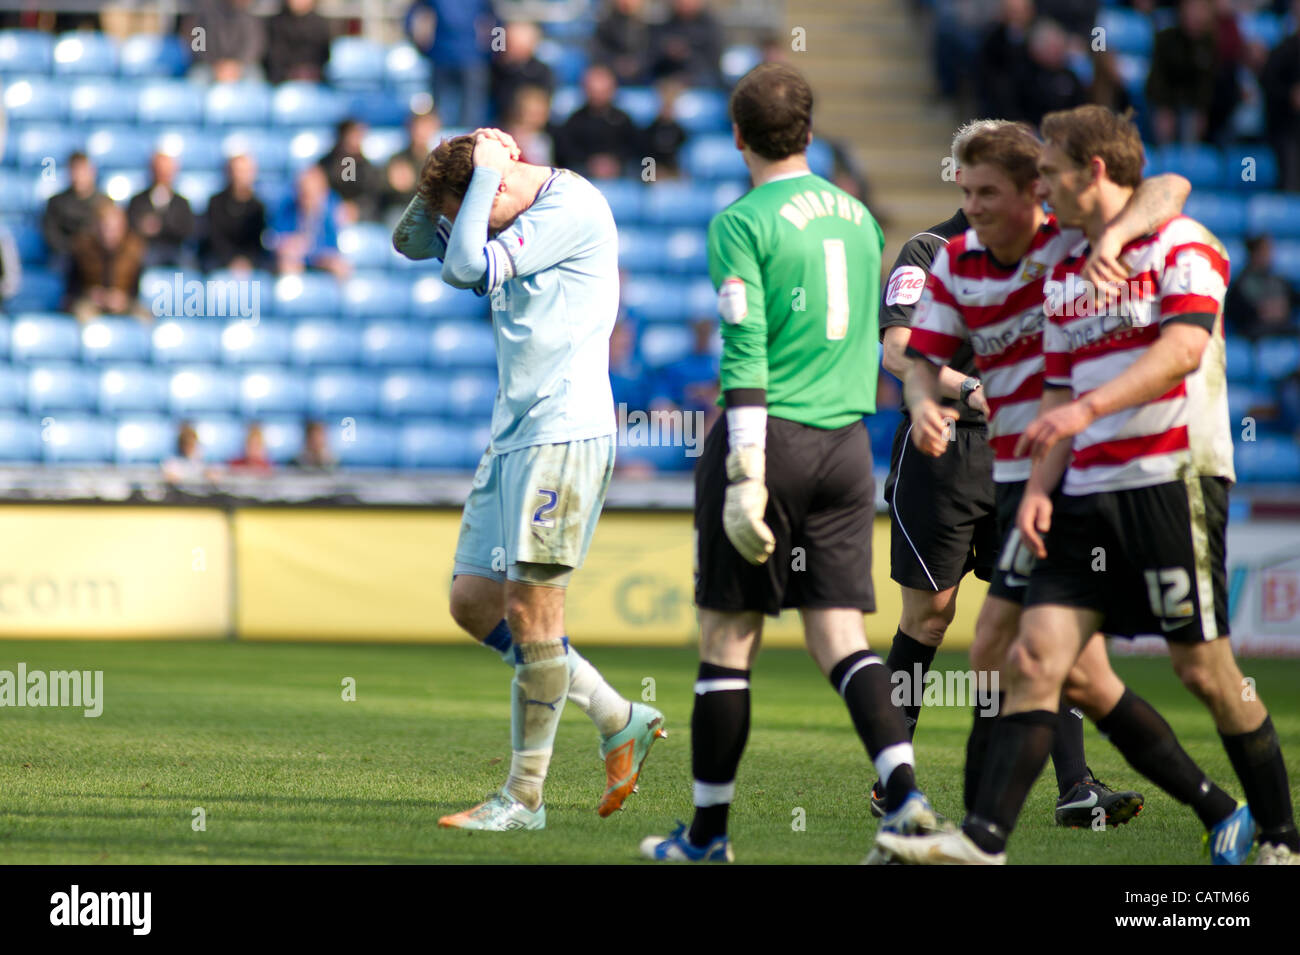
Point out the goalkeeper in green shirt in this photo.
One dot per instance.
(784, 492)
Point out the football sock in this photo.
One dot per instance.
(864, 684)
(1146, 740)
(1018, 747)
(905, 655)
(1067, 751)
(1257, 759)
(977, 745)
(719, 729)
(537, 700)
(588, 690)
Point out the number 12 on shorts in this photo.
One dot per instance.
(549, 499)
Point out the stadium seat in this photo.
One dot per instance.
(20, 439)
(462, 344)
(404, 65)
(431, 443)
(1277, 358)
(198, 186)
(283, 438)
(62, 387)
(118, 147)
(641, 250)
(389, 342)
(1251, 167)
(35, 145)
(27, 236)
(170, 101)
(381, 143)
(376, 107)
(472, 396)
(44, 337)
(702, 300)
(737, 60)
(1268, 459)
(624, 197)
(1240, 359)
(569, 62)
(13, 387)
(237, 104)
(662, 344)
(374, 444)
(686, 251)
(321, 342)
(367, 245)
(344, 393)
(265, 343)
(433, 298)
(308, 146)
(134, 388)
(356, 63)
(1126, 31)
(661, 457)
(311, 293)
(370, 294)
(702, 111)
(713, 157)
(882, 425)
(271, 153)
(17, 195)
(115, 339)
(144, 440)
(654, 299)
(679, 203)
(407, 392)
(1223, 214)
(564, 101)
(186, 340)
(121, 184)
(41, 291)
(1243, 399)
(296, 104)
(102, 101)
(85, 53)
(1263, 27)
(1274, 213)
(151, 54)
(1286, 260)
(821, 159)
(24, 52)
(5, 330)
(203, 388)
(272, 390)
(639, 102)
(36, 99)
(220, 438)
(1199, 163)
(79, 439)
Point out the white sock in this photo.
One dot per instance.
(589, 692)
(537, 699)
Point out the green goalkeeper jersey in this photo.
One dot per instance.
(796, 263)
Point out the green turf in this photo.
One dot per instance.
(287, 771)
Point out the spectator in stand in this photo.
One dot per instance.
(1184, 66)
(1052, 84)
(599, 138)
(1107, 87)
(663, 139)
(1004, 65)
(315, 454)
(1260, 302)
(622, 42)
(235, 221)
(161, 216)
(71, 212)
(402, 171)
(1280, 81)
(187, 466)
(305, 227)
(516, 65)
(689, 42)
(254, 460)
(626, 373)
(693, 381)
(106, 264)
(1076, 17)
(298, 43)
(455, 35)
(234, 40)
(529, 122)
(352, 176)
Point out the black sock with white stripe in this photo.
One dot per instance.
(1067, 752)
(1018, 748)
(1146, 740)
(719, 729)
(1257, 759)
(905, 656)
(864, 683)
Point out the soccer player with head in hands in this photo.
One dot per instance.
(541, 243)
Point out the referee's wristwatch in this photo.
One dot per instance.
(968, 388)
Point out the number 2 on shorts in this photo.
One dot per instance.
(548, 505)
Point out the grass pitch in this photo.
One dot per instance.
(260, 738)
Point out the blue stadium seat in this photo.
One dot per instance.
(1286, 260)
(85, 53)
(272, 390)
(322, 342)
(308, 146)
(564, 101)
(1263, 27)
(389, 342)
(103, 101)
(306, 104)
(1243, 399)
(624, 197)
(686, 251)
(121, 184)
(311, 293)
(196, 149)
(43, 337)
(237, 104)
(702, 300)
(17, 195)
(377, 107)
(1252, 166)
(13, 387)
(41, 291)
(654, 299)
(24, 52)
(1127, 31)
(1276, 214)
(642, 250)
(821, 159)
(713, 157)
(679, 203)
(151, 54)
(170, 101)
(435, 444)
(220, 438)
(271, 153)
(1277, 358)
(405, 392)
(134, 388)
(369, 294)
(5, 329)
(381, 142)
(882, 425)
(34, 145)
(1268, 459)
(472, 395)
(79, 439)
(115, 339)
(374, 444)
(433, 298)
(662, 344)
(186, 340)
(265, 343)
(1222, 214)
(36, 99)
(462, 344)
(662, 457)
(702, 111)
(568, 61)
(283, 437)
(198, 186)
(367, 245)
(404, 65)
(1200, 164)
(1240, 359)
(203, 388)
(737, 60)
(639, 102)
(356, 63)
(118, 147)
(20, 439)
(346, 393)
(144, 440)
(62, 387)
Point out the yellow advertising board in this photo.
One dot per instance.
(129, 572)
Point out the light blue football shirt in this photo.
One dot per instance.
(552, 278)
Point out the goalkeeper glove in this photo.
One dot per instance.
(746, 502)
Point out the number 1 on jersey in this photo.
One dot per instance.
(837, 289)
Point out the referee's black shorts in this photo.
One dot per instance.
(821, 505)
(943, 516)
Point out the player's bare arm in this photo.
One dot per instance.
(931, 422)
(1034, 518)
(897, 363)
(1155, 201)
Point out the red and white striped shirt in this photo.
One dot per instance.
(1179, 273)
(1000, 309)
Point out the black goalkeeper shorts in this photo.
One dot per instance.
(821, 507)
